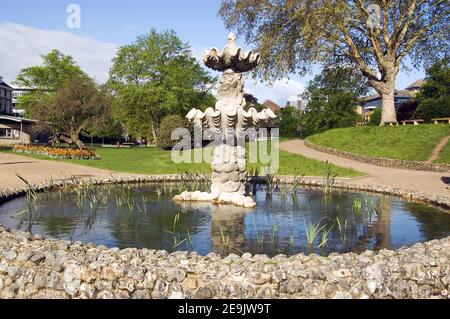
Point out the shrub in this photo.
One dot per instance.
(56, 152)
(5, 148)
(288, 121)
(434, 108)
(375, 118)
(168, 125)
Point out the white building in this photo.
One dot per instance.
(16, 94)
(5, 98)
(299, 102)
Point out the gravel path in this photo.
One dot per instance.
(409, 180)
(41, 171)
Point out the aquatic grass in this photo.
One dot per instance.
(329, 178)
(30, 191)
(325, 234)
(357, 206)
(342, 229)
(312, 230)
(260, 240)
(225, 239)
(295, 185)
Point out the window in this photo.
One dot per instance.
(9, 133)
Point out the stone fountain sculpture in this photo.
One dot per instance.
(229, 122)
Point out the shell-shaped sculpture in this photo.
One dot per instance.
(232, 57)
(236, 119)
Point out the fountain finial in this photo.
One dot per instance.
(231, 58)
(231, 40)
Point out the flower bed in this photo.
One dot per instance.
(57, 153)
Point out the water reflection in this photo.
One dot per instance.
(144, 217)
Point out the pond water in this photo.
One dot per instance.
(144, 216)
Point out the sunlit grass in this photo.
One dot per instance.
(407, 142)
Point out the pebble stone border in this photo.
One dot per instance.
(33, 267)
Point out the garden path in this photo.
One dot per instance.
(438, 149)
(41, 171)
(430, 183)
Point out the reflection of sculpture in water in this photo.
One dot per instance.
(382, 228)
(378, 233)
(228, 123)
(227, 229)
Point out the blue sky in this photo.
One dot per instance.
(29, 27)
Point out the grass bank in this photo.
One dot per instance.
(407, 142)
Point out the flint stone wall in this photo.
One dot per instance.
(31, 267)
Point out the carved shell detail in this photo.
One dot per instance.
(232, 57)
(239, 118)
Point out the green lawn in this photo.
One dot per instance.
(156, 161)
(407, 142)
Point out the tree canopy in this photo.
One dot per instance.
(434, 96)
(375, 37)
(75, 107)
(156, 76)
(333, 96)
(56, 69)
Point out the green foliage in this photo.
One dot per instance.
(56, 70)
(333, 97)
(288, 121)
(76, 106)
(156, 76)
(293, 36)
(405, 142)
(406, 111)
(434, 96)
(375, 118)
(168, 125)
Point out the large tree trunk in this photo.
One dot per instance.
(388, 114)
(79, 143)
(72, 139)
(155, 133)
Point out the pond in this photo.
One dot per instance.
(289, 222)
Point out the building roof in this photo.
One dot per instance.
(398, 93)
(17, 119)
(268, 104)
(416, 85)
(3, 83)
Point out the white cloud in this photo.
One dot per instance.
(21, 47)
(279, 91)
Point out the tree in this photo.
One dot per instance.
(56, 69)
(375, 37)
(434, 96)
(288, 121)
(168, 125)
(156, 76)
(333, 98)
(77, 106)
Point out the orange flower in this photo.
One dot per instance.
(56, 152)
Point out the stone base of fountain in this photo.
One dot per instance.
(235, 199)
